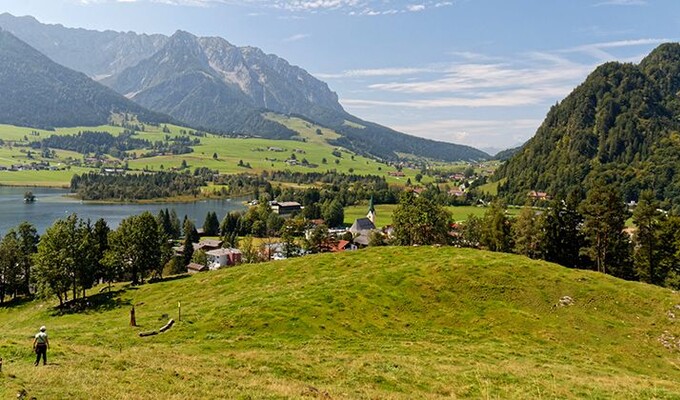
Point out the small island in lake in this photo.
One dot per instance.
(29, 197)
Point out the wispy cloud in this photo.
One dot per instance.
(350, 7)
(622, 3)
(296, 37)
(480, 132)
(523, 85)
(600, 50)
(481, 81)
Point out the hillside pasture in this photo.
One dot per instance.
(387, 323)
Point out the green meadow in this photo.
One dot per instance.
(215, 152)
(381, 323)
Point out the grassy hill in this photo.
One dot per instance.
(388, 323)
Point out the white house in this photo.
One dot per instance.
(223, 257)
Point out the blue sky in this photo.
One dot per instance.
(477, 72)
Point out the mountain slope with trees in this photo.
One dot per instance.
(40, 93)
(620, 125)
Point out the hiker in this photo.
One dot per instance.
(40, 345)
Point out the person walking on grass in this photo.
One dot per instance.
(40, 345)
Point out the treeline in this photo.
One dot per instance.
(95, 186)
(94, 142)
(349, 189)
(590, 234)
(73, 255)
(99, 143)
(172, 145)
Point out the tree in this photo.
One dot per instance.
(56, 261)
(28, 244)
(528, 234)
(100, 234)
(318, 239)
(175, 224)
(190, 231)
(563, 236)
(471, 232)
(10, 269)
(214, 156)
(605, 215)
(211, 226)
(646, 257)
(333, 213)
(136, 247)
(231, 223)
(292, 229)
(418, 221)
(187, 249)
(496, 228)
(669, 251)
(249, 252)
(200, 257)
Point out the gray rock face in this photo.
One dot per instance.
(97, 54)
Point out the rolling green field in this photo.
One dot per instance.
(253, 151)
(381, 323)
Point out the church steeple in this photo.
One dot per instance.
(371, 211)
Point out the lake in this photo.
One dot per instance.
(52, 204)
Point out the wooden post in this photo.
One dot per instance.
(179, 311)
(0, 364)
(133, 321)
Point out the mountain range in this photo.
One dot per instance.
(208, 83)
(619, 126)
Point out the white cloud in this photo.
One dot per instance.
(600, 51)
(296, 37)
(508, 94)
(350, 7)
(415, 7)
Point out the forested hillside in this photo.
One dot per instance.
(620, 125)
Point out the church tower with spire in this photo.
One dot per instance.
(371, 211)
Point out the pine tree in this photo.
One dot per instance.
(211, 226)
(496, 228)
(563, 238)
(528, 233)
(605, 215)
(646, 219)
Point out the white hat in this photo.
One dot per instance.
(43, 329)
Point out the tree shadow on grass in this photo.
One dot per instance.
(16, 302)
(168, 278)
(94, 303)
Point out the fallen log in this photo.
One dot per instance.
(167, 326)
(163, 329)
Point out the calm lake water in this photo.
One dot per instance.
(52, 204)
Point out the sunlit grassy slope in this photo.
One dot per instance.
(382, 323)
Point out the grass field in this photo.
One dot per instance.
(309, 145)
(384, 212)
(382, 323)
